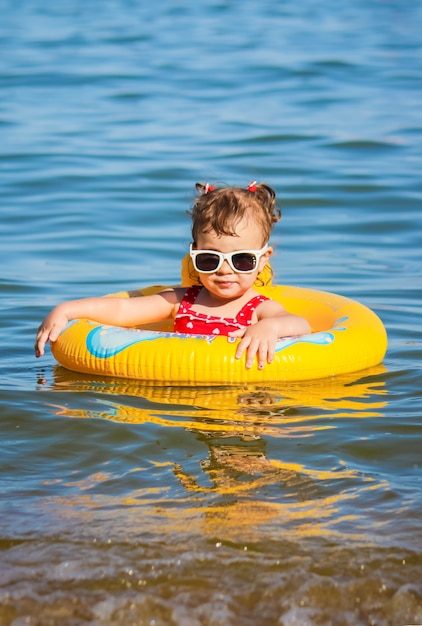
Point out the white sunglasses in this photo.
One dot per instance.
(209, 261)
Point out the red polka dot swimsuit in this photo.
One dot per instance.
(188, 321)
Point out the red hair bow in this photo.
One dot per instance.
(209, 188)
(252, 186)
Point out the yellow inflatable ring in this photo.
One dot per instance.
(347, 337)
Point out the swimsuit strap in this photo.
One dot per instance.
(190, 296)
(248, 308)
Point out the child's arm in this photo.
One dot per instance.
(260, 338)
(106, 310)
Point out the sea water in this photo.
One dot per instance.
(126, 503)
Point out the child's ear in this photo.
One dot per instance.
(265, 258)
(265, 273)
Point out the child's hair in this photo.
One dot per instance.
(220, 210)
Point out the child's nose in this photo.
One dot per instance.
(225, 268)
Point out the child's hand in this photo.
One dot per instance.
(50, 329)
(259, 341)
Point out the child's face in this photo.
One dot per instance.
(225, 283)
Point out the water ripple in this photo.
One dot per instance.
(124, 503)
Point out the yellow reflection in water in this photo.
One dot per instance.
(148, 512)
(226, 494)
(355, 395)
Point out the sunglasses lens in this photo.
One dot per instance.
(206, 262)
(244, 262)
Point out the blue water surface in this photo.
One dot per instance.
(127, 503)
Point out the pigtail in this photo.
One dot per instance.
(266, 197)
(204, 189)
